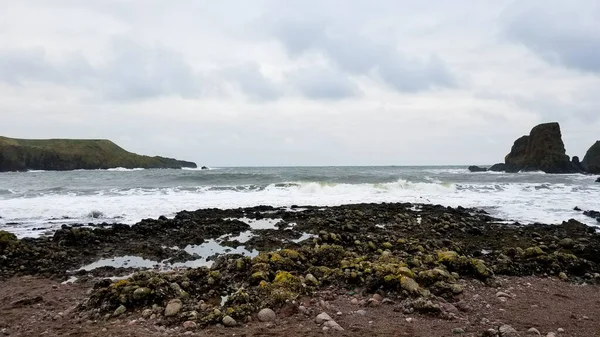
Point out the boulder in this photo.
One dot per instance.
(173, 307)
(542, 150)
(266, 315)
(500, 167)
(474, 168)
(598, 180)
(591, 161)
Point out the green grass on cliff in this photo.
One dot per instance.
(71, 154)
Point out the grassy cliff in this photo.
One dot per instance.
(73, 154)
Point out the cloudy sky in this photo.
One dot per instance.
(310, 82)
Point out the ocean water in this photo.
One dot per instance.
(38, 201)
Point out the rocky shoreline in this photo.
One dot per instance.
(418, 260)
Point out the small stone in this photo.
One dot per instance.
(189, 325)
(387, 301)
(563, 276)
(339, 313)
(228, 321)
(585, 318)
(447, 307)
(104, 329)
(267, 315)
(310, 279)
(322, 318)
(333, 325)
(501, 294)
(561, 330)
(458, 331)
(303, 310)
(409, 319)
(173, 307)
(551, 334)
(373, 302)
(490, 333)
(533, 332)
(507, 331)
(325, 328)
(120, 310)
(140, 293)
(354, 301)
(377, 297)
(132, 322)
(147, 313)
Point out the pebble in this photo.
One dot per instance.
(560, 330)
(147, 313)
(533, 332)
(387, 301)
(373, 302)
(551, 334)
(228, 321)
(120, 310)
(333, 325)
(409, 319)
(377, 297)
(173, 307)
(189, 325)
(507, 331)
(339, 313)
(303, 310)
(458, 331)
(360, 312)
(354, 301)
(503, 294)
(322, 318)
(266, 315)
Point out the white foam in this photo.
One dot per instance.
(523, 202)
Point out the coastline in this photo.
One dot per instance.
(421, 257)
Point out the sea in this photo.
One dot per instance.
(37, 202)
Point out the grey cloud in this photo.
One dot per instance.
(560, 32)
(251, 81)
(323, 84)
(357, 55)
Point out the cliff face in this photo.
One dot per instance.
(591, 161)
(73, 154)
(542, 150)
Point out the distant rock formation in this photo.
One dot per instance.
(542, 150)
(477, 169)
(74, 154)
(591, 161)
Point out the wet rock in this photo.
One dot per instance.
(322, 318)
(475, 168)
(173, 307)
(566, 243)
(266, 315)
(140, 293)
(507, 331)
(533, 332)
(228, 321)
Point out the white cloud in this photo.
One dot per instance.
(301, 82)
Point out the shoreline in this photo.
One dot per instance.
(418, 256)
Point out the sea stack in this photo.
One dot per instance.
(542, 150)
(591, 161)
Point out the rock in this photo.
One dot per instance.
(140, 293)
(477, 169)
(542, 150)
(447, 307)
(507, 331)
(551, 334)
(228, 321)
(503, 294)
(354, 301)
(409, 284)
(373, 303)
(173, 307)
(266, 315)
(533, 332)
(387, 301)
(303, 310)
(120, 310)
(147, 313)
(333, 325)
(310, 279)
(576, 164)
(322, 318)
(490, 333)
(566, 243)
(361, 312)
(591, 161)
(189, 325)
(561, 330)
(500, 167)
(458, 331)
(377, 297)
(563, 276)
(598, 180)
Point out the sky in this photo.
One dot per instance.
(307, 82)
